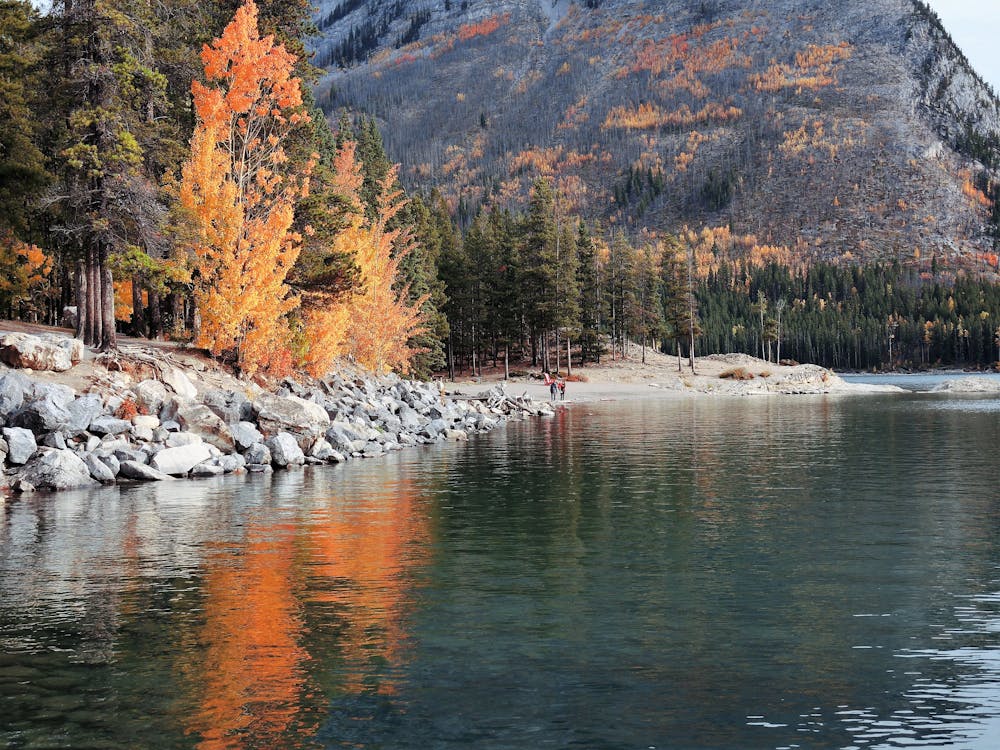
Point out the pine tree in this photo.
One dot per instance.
(539, 267)
(588, 282)
(113, 93)
(22, 165)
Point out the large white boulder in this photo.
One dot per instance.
(26, 351)
(179, 461)
(289, 414)
(285, 450)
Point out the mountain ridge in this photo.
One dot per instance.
(803, 130)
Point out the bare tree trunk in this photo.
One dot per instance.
(558, 351)
(155, 320)
(93, 335)
(506, 362)
(138, 310)
(177, 314)
(569, 358)
(109, 340)
(81, 299)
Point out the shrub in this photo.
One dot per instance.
(736, 373)
(127, 410)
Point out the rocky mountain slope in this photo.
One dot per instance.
(794, 129)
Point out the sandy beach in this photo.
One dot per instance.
(658, 377)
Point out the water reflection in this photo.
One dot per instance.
(738, 573)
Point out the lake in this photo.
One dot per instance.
(814, 572)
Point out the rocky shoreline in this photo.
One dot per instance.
(148, 419)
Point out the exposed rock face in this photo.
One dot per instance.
(57, 470)
(772, 113)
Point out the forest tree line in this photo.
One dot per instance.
(164, 169)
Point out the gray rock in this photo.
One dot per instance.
(54, 440)
(171, 425)
(321, 450)
(130, 454)
(111, 461)
(289, 414)
(259, 468)
(373, 450)
(459, 435)
(177, 439)
(202, 421)
(56, 470)
(21, 444)
(258, 453)
(26, 351)
(207, 470)
(179, 461)
(82, 411)
(150, 395)
(245, 434)
(140, 432)
(109, 426)
(92, 444)
(232, 463)
(146, 420)
(45, 414)
(141, 472)
(15, 389)
(285, 450)
(409, 418)
(98, 469)
(343, 435)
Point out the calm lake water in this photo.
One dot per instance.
(751, 573)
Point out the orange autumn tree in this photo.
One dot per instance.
(375, 322)
(240, 192)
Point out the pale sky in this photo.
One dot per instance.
(975, 27)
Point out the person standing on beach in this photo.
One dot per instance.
(562, 390)
(552, 383)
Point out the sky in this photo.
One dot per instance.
(975, 27)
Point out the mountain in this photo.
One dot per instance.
(795, 129)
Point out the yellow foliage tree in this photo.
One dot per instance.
(240, 193)
(375, 322)
(24, 276)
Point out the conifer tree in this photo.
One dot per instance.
(588, 282)
(539, 267)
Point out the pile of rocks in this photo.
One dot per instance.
(54, 438)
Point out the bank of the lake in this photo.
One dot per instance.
(72, 419)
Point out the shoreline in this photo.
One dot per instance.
(72, 418)
(658, 378)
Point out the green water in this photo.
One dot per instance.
(756, 573)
